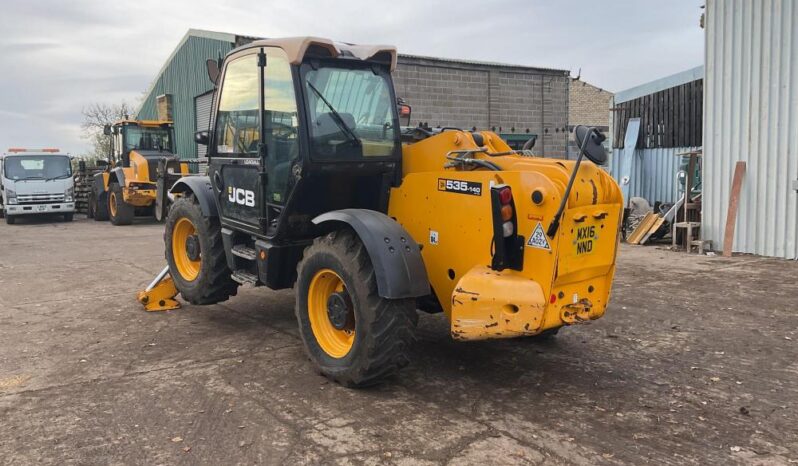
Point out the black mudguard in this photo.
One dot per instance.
(396, 257)
(202, 189)
(118, 175)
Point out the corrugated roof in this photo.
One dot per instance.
(660, 84)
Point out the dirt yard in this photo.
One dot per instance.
(696, 361)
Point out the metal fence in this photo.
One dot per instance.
(653, 172)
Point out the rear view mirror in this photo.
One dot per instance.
(107, 130)
(102, 163)
(404, 112)
(213, 70)
(590, 140)
(201, 137)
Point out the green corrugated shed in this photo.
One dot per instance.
(185, 77)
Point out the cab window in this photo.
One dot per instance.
(237, 119)
(280, 113)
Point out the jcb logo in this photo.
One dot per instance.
(244, 197)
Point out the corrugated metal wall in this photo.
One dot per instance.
(751, 115)
(653, 172)
(185, 77)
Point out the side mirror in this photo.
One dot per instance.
(107, 130)
(589, 140)
(213, 70)
(201, 137)
(404, 112)
(102, 163)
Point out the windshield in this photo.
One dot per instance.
(37, 167)
(351, 113)
(147, 138)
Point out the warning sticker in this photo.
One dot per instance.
(538, 238)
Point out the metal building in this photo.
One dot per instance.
(666, 115)
(751, 115)
(516, 101)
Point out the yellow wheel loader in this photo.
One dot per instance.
(140, 169)
(313, 185)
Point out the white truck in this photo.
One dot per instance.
(35, 182)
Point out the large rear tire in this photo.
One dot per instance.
(119, 211)
(354, 336)
(195, 254)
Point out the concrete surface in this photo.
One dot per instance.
(695, 362)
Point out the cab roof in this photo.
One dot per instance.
(142, 122)
(298, 47)
(24, 151)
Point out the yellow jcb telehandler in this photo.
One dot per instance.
(313, 185)
(140, 169)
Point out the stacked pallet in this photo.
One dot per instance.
(84, 176)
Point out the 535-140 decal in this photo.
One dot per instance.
(473, 188)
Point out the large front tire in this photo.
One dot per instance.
(354, 336)
(195, 254)
(97, 209)
(119, 211)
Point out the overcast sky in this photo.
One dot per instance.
(58, 56)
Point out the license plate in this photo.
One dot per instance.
(41, 208)
(586, 237)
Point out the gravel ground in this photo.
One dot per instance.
(694, 362)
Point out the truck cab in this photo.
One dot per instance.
(36, 182)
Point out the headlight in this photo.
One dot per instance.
(12, 196)
(69, 195)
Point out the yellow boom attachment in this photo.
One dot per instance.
(447, 208)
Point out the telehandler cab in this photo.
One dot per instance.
(140, 169)
(310, 186)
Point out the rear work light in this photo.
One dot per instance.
(508, 247)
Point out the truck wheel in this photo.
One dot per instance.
(68, 217)
(195, 254)
(354, 336)
(10, 219)
(119, 211)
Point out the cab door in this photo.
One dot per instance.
(253, 150)
(235, 162)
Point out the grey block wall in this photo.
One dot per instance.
(503, 98)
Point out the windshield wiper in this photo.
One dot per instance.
(337, 117)
(57, 177)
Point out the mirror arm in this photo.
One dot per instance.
(555, 222)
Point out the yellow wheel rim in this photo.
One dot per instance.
(335, 341)
(188, 265)
(112, 203)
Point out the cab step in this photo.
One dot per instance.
(245, 278)
(244, 252)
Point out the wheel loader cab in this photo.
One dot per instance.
(299, 135)
(142, 136)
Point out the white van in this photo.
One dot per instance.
(34, 182)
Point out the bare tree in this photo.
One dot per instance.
(95, 117)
